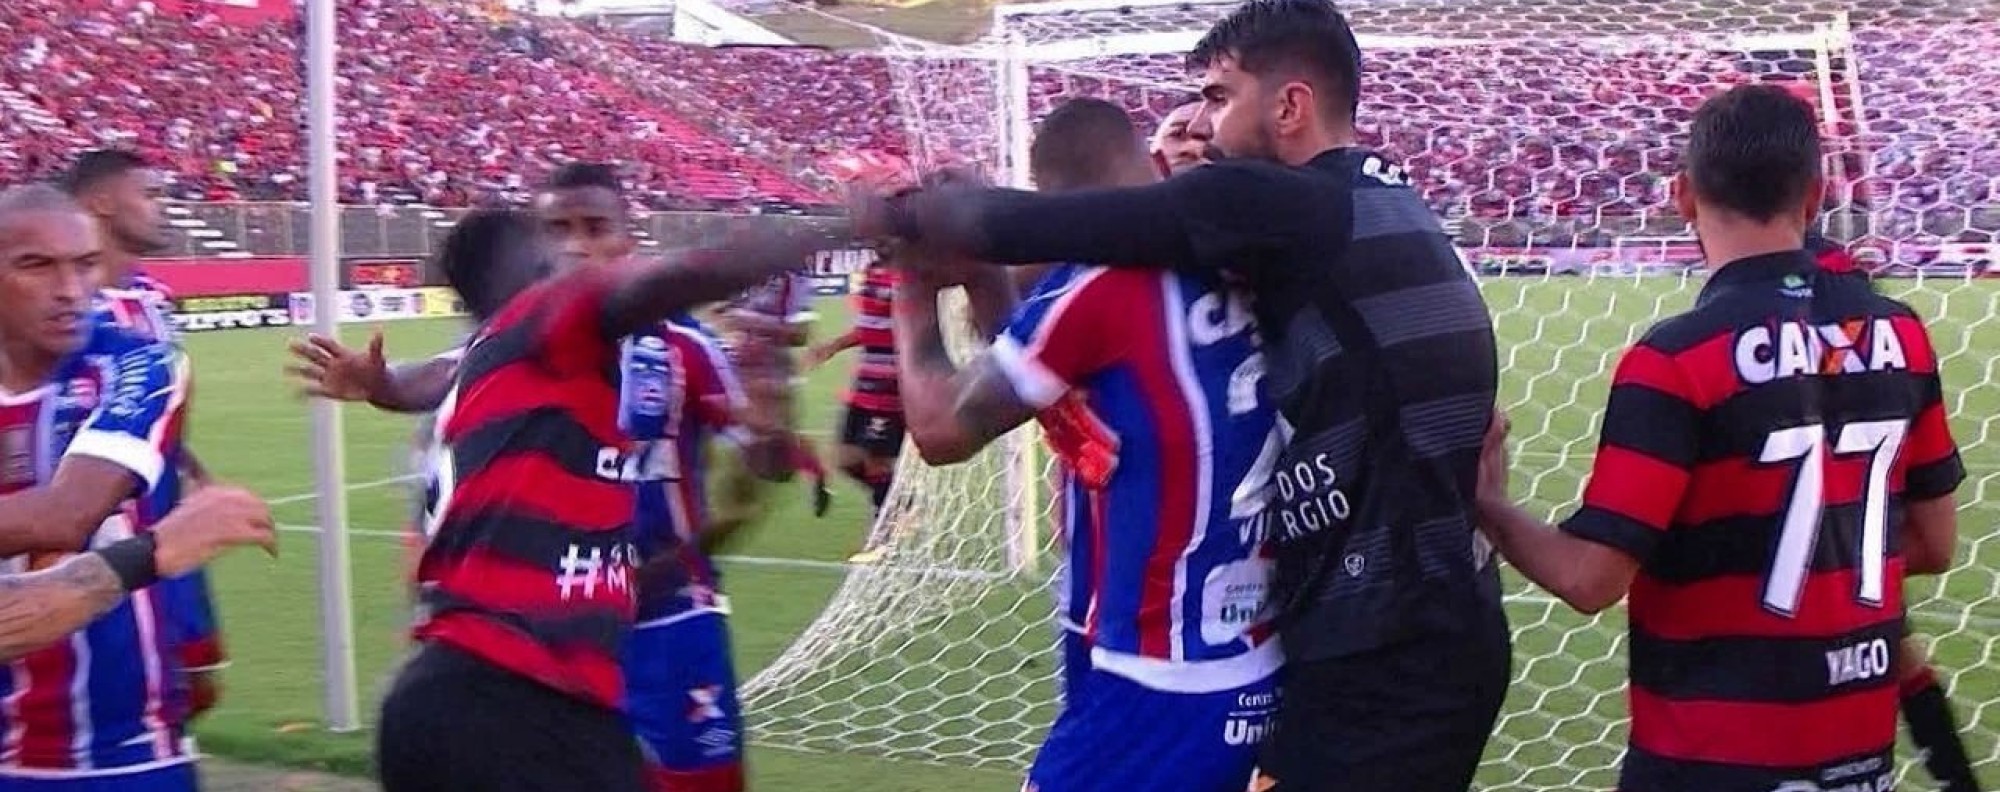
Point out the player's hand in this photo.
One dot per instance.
(329, 370)
(1493, 460)
(817, 355)
(208, 522)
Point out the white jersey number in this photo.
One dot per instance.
(1882, 441)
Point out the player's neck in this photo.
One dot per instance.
(1307, 147)
(118, 266)
(1731, 241)
(24, 367)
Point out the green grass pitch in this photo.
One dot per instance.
(1559, 339)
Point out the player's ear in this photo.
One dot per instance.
(1681, 190)
(1294, 106)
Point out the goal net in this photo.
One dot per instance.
(1545, 132)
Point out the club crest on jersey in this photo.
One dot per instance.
(1797, 349)
(649, 393)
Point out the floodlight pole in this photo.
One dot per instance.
(336, 617)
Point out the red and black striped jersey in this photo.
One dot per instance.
(875, 386)
(530, 566)
(1757, 453)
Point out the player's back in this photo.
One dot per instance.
(875, 386)
(1763, 623)
(1168, 446)
(529, 565)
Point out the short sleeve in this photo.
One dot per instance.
(1645, 456)
(1067, 331)
(1930, 463)
(571, 339)
(140, 418)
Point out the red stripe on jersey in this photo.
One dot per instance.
(586, 673)
(1612, 479)
(874, 308)
(1100, 516)
(1929, 441)
(520, 386)
(1743, 487)
(1733, 606)
(1793, 734)
(522, 482)
(1715, 358)
(1917, 350)
(1152, 370)
(42, 712)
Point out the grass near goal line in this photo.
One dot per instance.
(1558, 337)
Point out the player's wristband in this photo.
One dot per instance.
(132, 561)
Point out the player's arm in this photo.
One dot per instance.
(328, 369)
(681, 281)
(39, 608)
(1932, 471)
(120, 451)
(1201, 219)
(1645, 455)
(1058, 338)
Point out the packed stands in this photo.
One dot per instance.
(449, 107)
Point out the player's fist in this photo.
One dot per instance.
(208, 522)
(1493, 460)
(328, 370)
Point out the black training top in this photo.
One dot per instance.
(1380, 354)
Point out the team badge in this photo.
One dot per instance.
(649, 393)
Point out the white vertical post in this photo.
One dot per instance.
(329, 468)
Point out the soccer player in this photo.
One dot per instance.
(122, 193)
(1383, 366)
(1773, 461)
(1147, 385)
(1933, 724)
(527, 584)
(778, 307)
(88, 423)
(1177, 144)
(871, 434)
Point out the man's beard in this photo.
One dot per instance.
(141, 243)
(1265, 146)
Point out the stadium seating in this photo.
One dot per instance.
(449, 107)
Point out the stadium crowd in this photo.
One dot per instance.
(449, 106)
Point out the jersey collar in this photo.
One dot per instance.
(1764, 270)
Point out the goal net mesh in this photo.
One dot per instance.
(1545, 132)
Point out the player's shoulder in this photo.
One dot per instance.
(1102, 286)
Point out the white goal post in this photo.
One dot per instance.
(1544, 130)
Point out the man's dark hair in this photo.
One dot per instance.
(1302, 38)
(580, 175)
(480, 243)
(98, 166)
(1754, 150)
(1083, 142)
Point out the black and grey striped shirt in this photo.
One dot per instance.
(1379, 352)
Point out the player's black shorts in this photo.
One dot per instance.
(877, 432)
(1412, 717)
(454, 723)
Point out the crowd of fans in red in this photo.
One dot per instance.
(449, 106)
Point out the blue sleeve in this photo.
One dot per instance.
(139, 421)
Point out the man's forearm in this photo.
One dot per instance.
(1563, 564)
(417, 387)
(684, 281)
(39, 608)
(1134, 226)
(991, 297)
(34, 521)
(924, 369)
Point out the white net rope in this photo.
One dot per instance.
(1545, 132)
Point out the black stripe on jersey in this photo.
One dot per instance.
(1935, 480)
(521, 539)
(1738, 426)
(1644, 771)
(1745, 545)
(500, 348)
(1648, 421)
(1760, 670)
(597, 628)
(550, 432)
(1608, 527)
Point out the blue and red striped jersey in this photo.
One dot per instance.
(1756, 454)
(678, 390)
(103, 701)
(1148, 388)
(143, 307)
(875, 386)
(530, 562)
